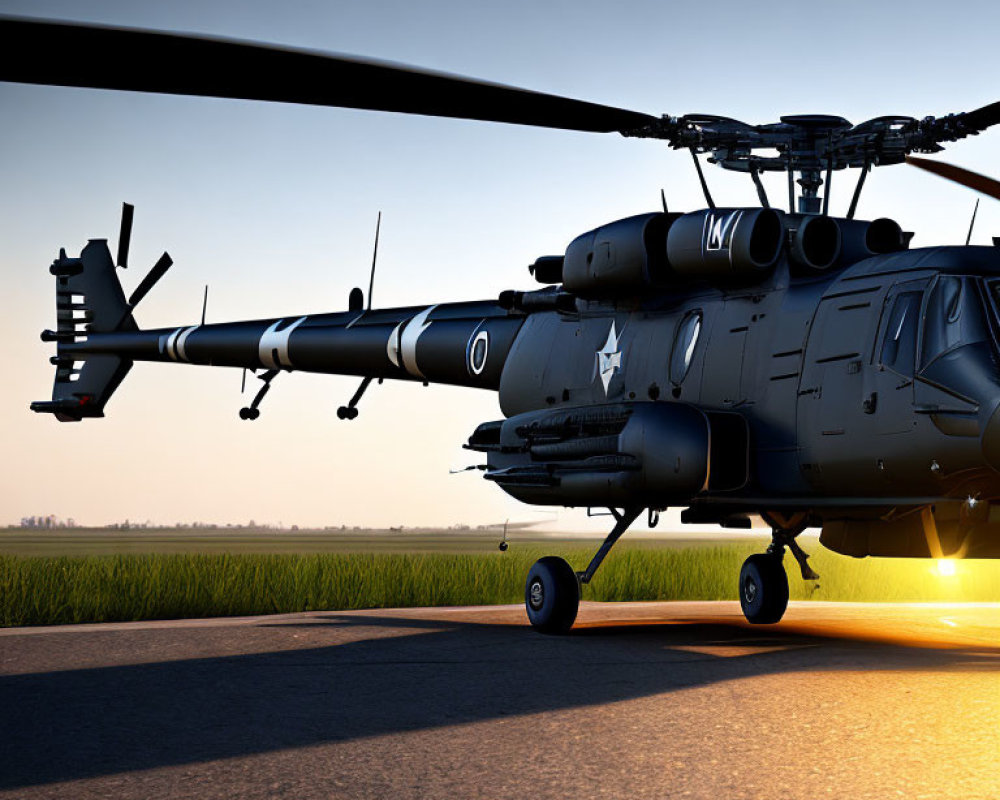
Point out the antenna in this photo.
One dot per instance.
(204, 305)
(972, 223)
(350, 411)
(663, 199)
(371, 282)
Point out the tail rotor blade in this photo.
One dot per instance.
(125, 235)
(158, 271)
(967, 178)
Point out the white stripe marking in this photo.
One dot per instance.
(275, 343)
(182, 341)
(408, 341)
(171, 340)
(392, 346)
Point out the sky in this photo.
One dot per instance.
(273, 206)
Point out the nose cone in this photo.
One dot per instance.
(991, 440)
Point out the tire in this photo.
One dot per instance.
(552, 595)
(763, 589)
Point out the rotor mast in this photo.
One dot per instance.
(810, 200)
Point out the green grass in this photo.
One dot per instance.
(41, 590)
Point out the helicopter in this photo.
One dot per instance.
(813, 370)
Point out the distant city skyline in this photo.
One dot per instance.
(274, 207)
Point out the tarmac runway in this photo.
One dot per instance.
(641, 700)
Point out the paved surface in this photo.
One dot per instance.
(644, 700)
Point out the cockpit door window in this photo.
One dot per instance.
(957, 352)
(953, 318)
(899, 342)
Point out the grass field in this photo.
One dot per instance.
(453, 570)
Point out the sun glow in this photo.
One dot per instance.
(946, 567)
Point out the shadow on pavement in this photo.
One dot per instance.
(83, 723)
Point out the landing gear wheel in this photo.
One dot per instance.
(552, 595)
(763, 589)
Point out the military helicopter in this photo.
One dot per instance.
(813, 370)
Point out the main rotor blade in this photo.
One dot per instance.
(983, 117)
(71, 54)
(972, 180)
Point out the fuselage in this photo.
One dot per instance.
(877, 381)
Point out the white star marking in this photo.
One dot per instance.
(609, 358)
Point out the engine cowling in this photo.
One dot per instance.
(660, 250)
(816, 242)
(725, 243)
(624, 256)
(863, 239)
(718, 245)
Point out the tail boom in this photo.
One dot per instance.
(463, 344)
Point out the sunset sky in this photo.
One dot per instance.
(274, 207)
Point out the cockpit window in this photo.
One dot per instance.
(900, 343)
(957, 351)
(954, 318)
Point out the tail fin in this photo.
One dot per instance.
(89, 299)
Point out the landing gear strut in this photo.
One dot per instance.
(350, 411)
(552, 591)
(252, 411)
(763, 582)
